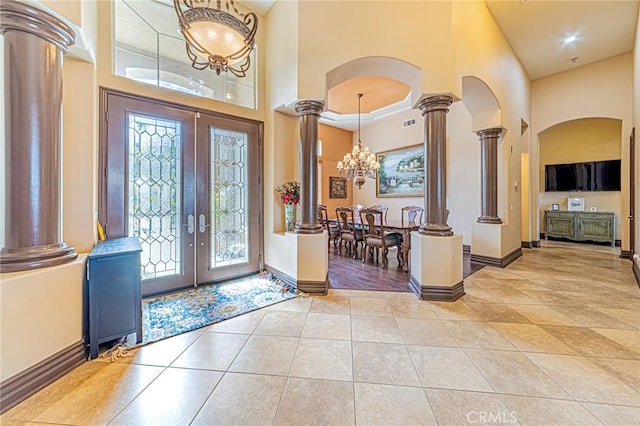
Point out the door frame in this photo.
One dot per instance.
(632, 189)
(104, 93)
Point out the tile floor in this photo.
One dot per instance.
(551, 340)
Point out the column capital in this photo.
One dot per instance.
(435, 103)
(19, 16)
(493, 132)
(308, 106)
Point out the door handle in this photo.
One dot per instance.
(190, 224)
(202, 226)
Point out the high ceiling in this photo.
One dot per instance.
(536, 30)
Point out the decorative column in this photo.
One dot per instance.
(308, 115)
(434, 110)
(34, 43)
(489, 174)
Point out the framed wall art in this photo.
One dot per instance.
(401, 172)
(337, 187)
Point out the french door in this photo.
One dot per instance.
(187, 184)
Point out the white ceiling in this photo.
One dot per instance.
(536, 29)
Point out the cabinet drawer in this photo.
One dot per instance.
(596, 216)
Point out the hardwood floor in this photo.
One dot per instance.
(348, 273)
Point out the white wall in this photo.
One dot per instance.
(600, 89)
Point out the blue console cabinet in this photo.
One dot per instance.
(115, 304)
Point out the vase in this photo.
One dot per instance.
(289, 217)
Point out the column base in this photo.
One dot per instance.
(436, 229)
(436, 262)
(27, 258)
(308, 228)
(489, 219)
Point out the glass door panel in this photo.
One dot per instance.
(229, 197)
(155, 193)
(229, 201)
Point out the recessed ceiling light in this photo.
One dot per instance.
(570, 39)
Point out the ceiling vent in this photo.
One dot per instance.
(409, 123)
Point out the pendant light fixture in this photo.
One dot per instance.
(359, 163)
(217, 39)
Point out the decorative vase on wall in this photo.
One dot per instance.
(289, 217)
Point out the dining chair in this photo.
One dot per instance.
(412, 214)
(376, 238)
(331, 228)
(350, 234)
(384, 209)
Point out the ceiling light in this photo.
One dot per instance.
(570, 39)
(217, 39)
(359, 163)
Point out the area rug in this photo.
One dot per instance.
(172, 314)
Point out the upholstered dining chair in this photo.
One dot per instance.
(331, 228)
(350, 233)
(384, 209)
(375, 237)
(412, 214)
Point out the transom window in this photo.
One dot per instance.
(149, 48)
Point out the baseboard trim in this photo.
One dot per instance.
(626, 254)
(536, 243)
(526, 244)
(466, 249)
(311, 287)
(617, 243)
(21, 386)
(636, 271)
(439, 293)
(541, 236)
(494, 261)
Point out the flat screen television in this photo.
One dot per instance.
(587, 176)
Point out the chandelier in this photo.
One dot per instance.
(359, 163)
(216, 39)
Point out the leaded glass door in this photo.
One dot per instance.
(228, 200)
(187, 185)
(149, 190)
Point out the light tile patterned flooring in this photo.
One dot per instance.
(551, 340)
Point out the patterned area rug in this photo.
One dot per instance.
(168, 315)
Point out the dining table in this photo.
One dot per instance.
(396, 225)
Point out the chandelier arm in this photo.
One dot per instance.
(242, 71)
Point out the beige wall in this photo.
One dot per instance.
(332, 33)
(481, 50)
(600, 89)
(282, 62)
(589, 139)
(335, 143)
